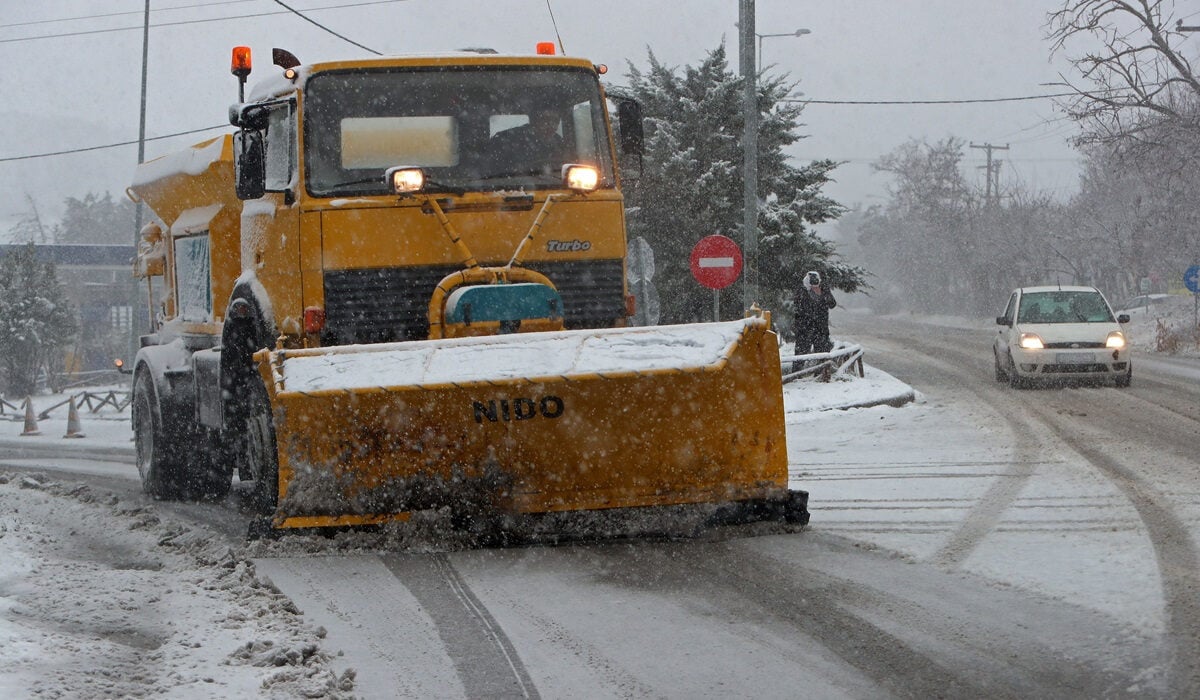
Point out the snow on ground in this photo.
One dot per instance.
(90, 582)
(100, 598)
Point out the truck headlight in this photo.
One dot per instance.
(1116, 339)
(406, 180)
(581, 178)
(1031, 341)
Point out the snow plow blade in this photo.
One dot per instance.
(530, 423)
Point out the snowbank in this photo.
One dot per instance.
(102, 598)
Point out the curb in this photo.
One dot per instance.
(894, 401)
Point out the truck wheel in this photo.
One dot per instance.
(157, 464)
(260, 455)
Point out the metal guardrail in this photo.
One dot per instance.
(844, 357)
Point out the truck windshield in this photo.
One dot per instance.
(470, 128)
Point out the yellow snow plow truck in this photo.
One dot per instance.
(400, 285)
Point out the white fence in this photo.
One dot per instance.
(844, 357)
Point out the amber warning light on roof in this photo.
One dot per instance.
(240, 64)
(545, 48)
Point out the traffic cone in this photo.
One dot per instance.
(31, 426)
(73, 429)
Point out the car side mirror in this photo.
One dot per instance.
(249, 165)
(1002, 320)
(1123, 318)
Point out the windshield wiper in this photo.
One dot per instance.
(431, 185)
(364, 181)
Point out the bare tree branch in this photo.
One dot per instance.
(1137, 74)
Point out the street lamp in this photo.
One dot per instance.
(798, 32)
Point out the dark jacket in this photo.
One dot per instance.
(812, 318)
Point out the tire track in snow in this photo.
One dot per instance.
(985, 515)
(1174, 549)
(486, 661)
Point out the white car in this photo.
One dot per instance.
(1061, 333)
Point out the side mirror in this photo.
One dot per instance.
(252, 116)
(249, 164)
(1002, 320)
(1123, 318)
(629, 114)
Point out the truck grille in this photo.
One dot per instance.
(387, 304)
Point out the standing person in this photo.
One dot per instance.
(812, 303)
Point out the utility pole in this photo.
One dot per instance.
(746, 36)
(993, 171)
(137, 217)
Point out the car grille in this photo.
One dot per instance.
(1074, 368)
(1075, 344)
(386, 304)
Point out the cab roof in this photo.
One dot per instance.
(276, 84)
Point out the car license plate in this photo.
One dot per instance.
(1074, 358)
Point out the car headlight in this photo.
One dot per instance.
(1031, 341)
(1116, 339)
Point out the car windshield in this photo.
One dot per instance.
(1063, 307)
(479, 128)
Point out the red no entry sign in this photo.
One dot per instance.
(716, 262)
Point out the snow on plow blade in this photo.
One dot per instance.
(529, 423)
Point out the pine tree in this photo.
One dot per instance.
(689, 186)
(36, 320)
(96, 219)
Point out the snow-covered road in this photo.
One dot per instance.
(978, 542)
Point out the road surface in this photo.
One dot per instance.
(983, 542)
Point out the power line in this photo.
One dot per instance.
(930, 102)
(121, 14)
(202, 21)
(323, 27)
(108, 145)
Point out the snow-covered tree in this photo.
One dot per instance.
(36, 320)
(96, 219)
(690, 186)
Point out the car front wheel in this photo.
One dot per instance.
(1000, 375)
(1125, 381)
(1014, 380)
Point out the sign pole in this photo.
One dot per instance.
(716, 305)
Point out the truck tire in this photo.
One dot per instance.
(158, 464)
(259, 443)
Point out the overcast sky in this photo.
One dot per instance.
(79, 86)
